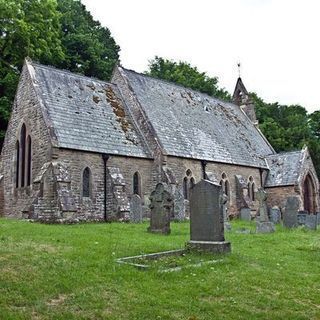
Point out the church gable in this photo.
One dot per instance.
(190, 124)
(27, 145)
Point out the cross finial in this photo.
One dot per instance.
(239, 68)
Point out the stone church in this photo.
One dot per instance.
(77, 148)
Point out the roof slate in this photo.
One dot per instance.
(194, 125)
(87, 114)
(284, 168)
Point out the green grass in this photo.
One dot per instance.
(69, 272)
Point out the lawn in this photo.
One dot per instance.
(69, 272)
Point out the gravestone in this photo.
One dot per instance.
(206, 218)
(290, 215)
(318, 218)
(135, 209)
(179, 206)
(263, 225)
(161, 205)
(245, 214)
(275, 215)
(224, 200)
(301, 218)
(311, 221)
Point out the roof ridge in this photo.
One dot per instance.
(284, 152)
(178, 85)
(69, 72)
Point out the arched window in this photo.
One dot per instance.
(17, 163)
(23, 154)
(251, 187)
(29, 160)
(249, 190)
(188, 183)
(136, 184)
(252, 191)
(23, 158)
(86, 182)
(185, 188)
(192, 182)
(226, 187)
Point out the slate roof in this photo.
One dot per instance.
(86, 114)
(284, 168)
(194, 125)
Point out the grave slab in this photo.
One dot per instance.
(161, 205)
(290, 215)
(207, 219)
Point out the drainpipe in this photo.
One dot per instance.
(203, 165)
(105, 158)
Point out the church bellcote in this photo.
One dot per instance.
(242, 99)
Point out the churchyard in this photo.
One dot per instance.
(70, 272)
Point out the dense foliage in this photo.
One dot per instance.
(186, 75)
(89, 48)
(286, 127)
(61, 33)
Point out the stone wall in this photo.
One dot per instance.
(277, 196)
(93, 207)
(26, 109)
(214, 171)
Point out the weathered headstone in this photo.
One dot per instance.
(275, 215)
(161, 205)
(263, 225)
(135, 209)
(206, 218)
(290, 215)
(179, 206)
(311, 221)
(224, 200)
(318, 218)
(262, 215)
(301, 218)
(245, 214)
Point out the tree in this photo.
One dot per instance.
(89, 47)
(314, 122)
(289, 128)
(185, 74)
(274, 133)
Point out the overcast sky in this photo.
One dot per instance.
(277, 41)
